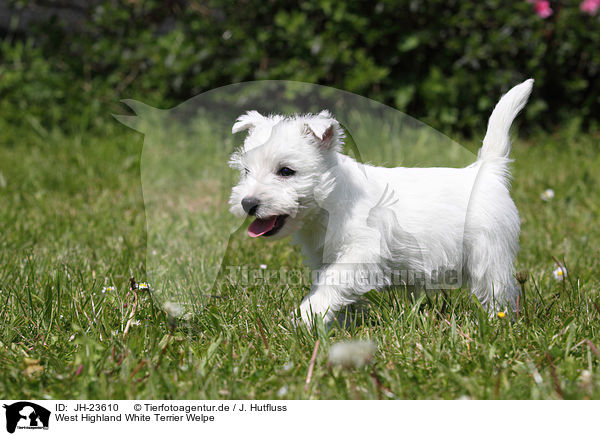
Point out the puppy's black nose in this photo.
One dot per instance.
(250, 204)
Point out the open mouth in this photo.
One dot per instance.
(266, 227)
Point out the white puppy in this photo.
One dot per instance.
(363, 227)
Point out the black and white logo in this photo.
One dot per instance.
(26, 415)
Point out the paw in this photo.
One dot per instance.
(296, 320)
(310, 314)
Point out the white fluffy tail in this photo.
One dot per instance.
(497, 141)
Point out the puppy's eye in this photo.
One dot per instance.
(286, 172)
(246, 171)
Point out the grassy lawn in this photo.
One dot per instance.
(73, 223)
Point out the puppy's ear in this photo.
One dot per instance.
(248, 121)
(324, 128)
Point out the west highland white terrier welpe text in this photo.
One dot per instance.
(355, 221)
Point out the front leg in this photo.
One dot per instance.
(322, 301)
(337, 285)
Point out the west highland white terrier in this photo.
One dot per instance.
(355, 222)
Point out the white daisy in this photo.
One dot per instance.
(547, 195)
(560, 273)
(108, 289)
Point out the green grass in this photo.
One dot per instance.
(73, 221)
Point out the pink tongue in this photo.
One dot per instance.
(260, 227)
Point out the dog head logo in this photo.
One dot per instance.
(26, 415)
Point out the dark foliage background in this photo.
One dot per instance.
(445, 62)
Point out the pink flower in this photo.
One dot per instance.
(543, 9)
(79, 369)
(590, 6)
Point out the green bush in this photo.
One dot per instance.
(445, 62)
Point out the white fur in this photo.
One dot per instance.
(369, 220)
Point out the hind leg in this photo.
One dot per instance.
(491, 245)
(491, 241)
(490, 270)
